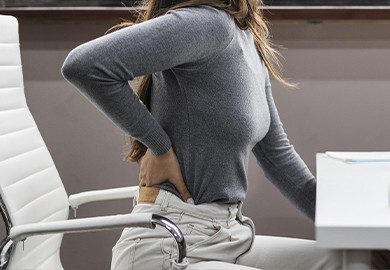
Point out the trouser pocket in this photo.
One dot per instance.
(199, 239)
(202, 242)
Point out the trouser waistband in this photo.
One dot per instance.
(165, 200)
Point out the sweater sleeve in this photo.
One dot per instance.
(100, 69)
(282, 165)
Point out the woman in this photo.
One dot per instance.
(208, 105)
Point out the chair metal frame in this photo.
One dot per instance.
(21, 232)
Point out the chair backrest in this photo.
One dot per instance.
(31, 189)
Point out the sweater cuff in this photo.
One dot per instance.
(158, 141)
(152, 135)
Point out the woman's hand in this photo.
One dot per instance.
(155, 170)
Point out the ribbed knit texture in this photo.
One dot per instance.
(211, 101)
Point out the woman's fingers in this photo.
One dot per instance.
(155, 170)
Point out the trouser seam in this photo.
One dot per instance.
(165, 201)
(249, 224)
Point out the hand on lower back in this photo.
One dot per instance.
(156, 170)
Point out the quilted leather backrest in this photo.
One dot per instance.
(30, 186)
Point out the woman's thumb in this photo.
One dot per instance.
(185, 194)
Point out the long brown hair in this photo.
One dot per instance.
(246, 13)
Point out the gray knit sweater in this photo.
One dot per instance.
(211, 101)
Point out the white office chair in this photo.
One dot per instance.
(33, 201)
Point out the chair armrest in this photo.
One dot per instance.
(75, 200)
(147, 220)
(21, 232)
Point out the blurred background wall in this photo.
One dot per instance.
(342, 103)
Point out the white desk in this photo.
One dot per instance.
(352, 211)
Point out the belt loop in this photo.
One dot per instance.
(239, 212)
(229, 217)
(214, 222)
(165, 201)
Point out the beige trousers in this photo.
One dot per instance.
(217, 237)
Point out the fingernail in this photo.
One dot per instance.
(190, 201)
